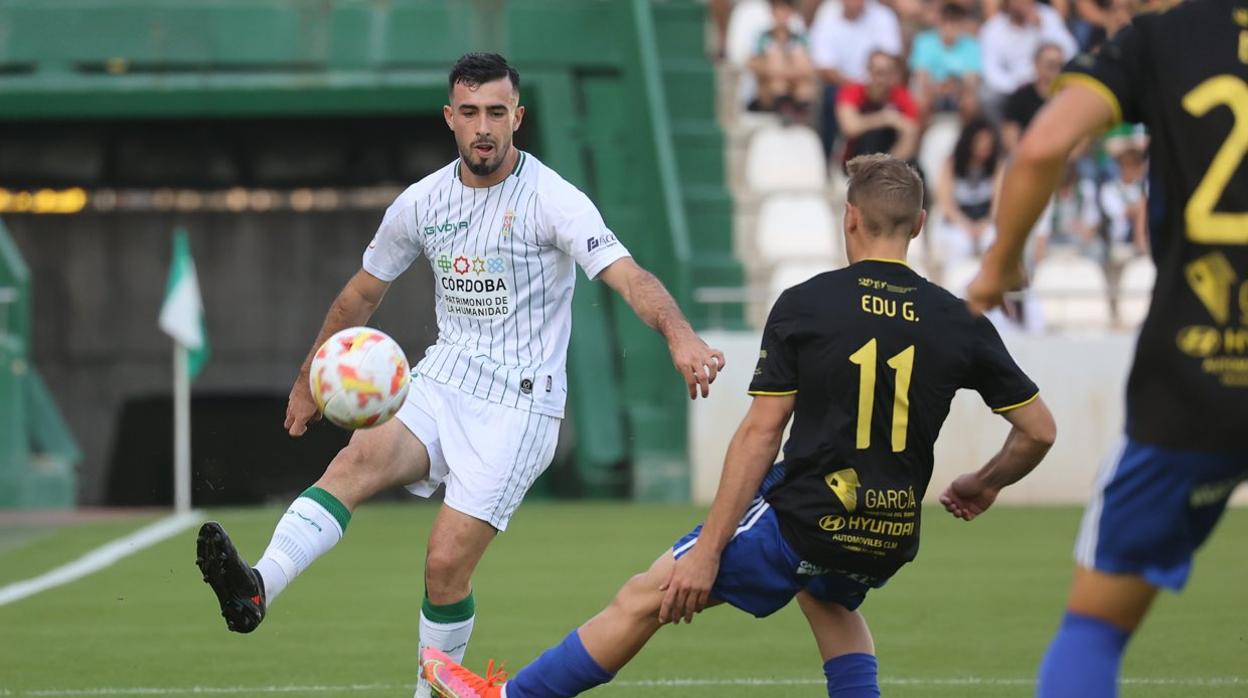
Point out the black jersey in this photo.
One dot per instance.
(1183, 74)
(874, 354)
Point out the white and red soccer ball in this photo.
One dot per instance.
(359, 378)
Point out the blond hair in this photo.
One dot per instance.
(887, 191)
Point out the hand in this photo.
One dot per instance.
(968, 497)
(987, 290)
(300, 407)
(891, 116)
(688, 589)
(697, 362)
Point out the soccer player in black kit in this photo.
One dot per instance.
(865, 360)
(1183, 74)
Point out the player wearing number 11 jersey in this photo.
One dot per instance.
(1182, 73)
(866, 361)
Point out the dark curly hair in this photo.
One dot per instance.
(473, 69)
(966, 140)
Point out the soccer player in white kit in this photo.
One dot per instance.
(503, 234)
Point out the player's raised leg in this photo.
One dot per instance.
(374, 460)
(846, 646)
(449, 610)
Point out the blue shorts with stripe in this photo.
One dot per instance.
(1153, 507)
(759, 572)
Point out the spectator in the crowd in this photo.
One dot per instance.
(946, 64)
(782, 67)
(1009, 41)
(1098, 20)
(1024, 103)
(1072, 219)
(965, 191)
(1124, 198)
(880, 116)
(841, 44)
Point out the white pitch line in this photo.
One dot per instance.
(1196, 681)
(104, 556)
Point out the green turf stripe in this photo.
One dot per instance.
(335, 508)
(456, 612)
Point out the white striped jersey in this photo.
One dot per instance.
(502, 258)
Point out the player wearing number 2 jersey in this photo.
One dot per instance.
(866, 361)
(1182, 73)
(503, 234)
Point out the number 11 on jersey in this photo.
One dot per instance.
(903, 364)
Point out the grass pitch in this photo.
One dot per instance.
(971, 617)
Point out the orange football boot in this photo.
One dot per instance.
(449, 679)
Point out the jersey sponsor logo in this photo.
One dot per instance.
(474, 286)
(832, 523)
(604, 240)
(844, 484)
(810, 569)
(893, 500)
(447, 227)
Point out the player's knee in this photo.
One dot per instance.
(638, 598)
(445, 572)
(350, 477)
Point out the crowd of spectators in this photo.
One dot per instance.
(876, 75)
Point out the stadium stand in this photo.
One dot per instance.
(1135, 287)
(1072, 294)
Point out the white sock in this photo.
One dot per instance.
(450, 636)
(312, 525)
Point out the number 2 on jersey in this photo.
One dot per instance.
(903, 364)
(1203, 225)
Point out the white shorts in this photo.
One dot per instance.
(488, 454)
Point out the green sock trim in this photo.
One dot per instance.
(456, 612)
(336, 509)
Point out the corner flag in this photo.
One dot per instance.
(182, 315)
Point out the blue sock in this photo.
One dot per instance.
(1083, 659)
(852, 676)
(562, 671)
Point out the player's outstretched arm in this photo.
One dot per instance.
(750, 455)
(1033, 433)
(694, 360)
(1075, 113)
(354, 305)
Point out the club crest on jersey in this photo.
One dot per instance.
(508, 219)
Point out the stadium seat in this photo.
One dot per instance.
(936, 147)
(1072, 293)
(1135, 290)
(788, 158)
(795, 227)
(958, 275)
(793, 273)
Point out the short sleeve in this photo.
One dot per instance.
(921, 55)
(852, 94)
(776, 371)
(395, 246)
(576, 227)
(906, 104)
(1116, 73)
(994, 375)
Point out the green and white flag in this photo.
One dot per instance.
(182, 315)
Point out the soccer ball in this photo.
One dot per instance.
(359, 378)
